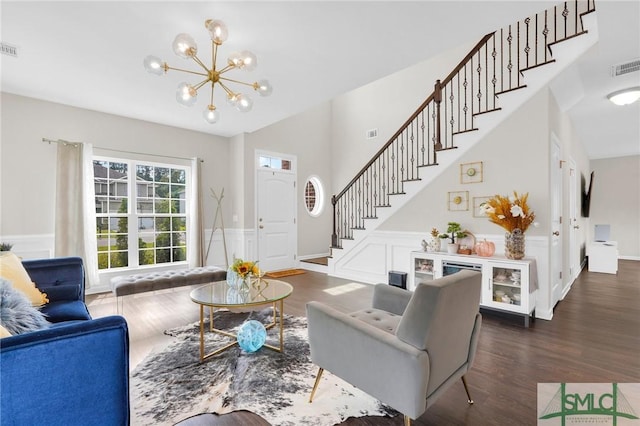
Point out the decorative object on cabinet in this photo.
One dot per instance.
(478, 206)
(454, 232)
(443, 241)
(514, 244)
(514, 216)
(485, 248)
(432, 243)
(467, 243)
(471, 172)
(458, 201)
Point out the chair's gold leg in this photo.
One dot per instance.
(466, 388)
(315, 385)
(407, 420)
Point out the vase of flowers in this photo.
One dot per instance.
(239, 273)
(514, 244)
(514, 215)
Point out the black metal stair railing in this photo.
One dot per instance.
(493, 67)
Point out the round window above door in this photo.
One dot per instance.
(314, 196)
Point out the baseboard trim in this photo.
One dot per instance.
(636, 258)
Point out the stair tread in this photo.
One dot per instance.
(511, 90)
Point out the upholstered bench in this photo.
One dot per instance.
(153, 281)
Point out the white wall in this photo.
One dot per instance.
(28, 175)
(384, 104)
(307, 136)
(615, 201)
(514, 157)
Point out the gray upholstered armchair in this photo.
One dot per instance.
(408, 348)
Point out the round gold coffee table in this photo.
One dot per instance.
(259, 292)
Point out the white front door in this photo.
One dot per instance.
(555, 252)
(276, 219)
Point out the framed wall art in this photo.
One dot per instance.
(458, 201)
(477, 202)
(471, 172)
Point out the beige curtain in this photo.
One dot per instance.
(75, 223)
(195, 245)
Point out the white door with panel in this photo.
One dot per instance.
(276, 219)
(574, 226)
(555, 250)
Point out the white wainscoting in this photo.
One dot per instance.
(37, 246)
(383, 251)
(241, 243)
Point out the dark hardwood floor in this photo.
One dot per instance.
(594, 337)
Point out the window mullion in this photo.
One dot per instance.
(132, 214)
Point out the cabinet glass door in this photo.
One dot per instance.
(506, 285)
(423, 269)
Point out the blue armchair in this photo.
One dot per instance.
(74, 373)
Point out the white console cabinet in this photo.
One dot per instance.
(507, 285)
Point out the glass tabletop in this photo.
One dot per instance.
(261, 292)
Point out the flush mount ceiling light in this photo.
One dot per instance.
(185, 47)
(625, 97)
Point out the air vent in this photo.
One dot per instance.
(373, 133)
(10, 50)
(625, 68)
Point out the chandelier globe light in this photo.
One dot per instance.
(185, 47)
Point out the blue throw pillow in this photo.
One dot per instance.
(17, 314)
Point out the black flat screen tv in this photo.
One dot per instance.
(586, 195)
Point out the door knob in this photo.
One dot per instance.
(261, 227)
(556, 233)
(576, 226)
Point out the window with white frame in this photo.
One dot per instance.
(141, 213)
(271, 162)
(314, 196)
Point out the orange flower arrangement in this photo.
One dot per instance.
(509, 213)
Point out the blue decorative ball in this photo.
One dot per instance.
(251, 336)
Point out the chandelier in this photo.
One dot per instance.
(185, 47)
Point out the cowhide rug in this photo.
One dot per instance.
(171, 384)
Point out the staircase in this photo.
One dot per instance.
(502, 71)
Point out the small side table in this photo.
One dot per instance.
(603, 257)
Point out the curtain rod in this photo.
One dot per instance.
(50, 141)
(63, 142)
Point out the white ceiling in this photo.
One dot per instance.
(89, 54)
